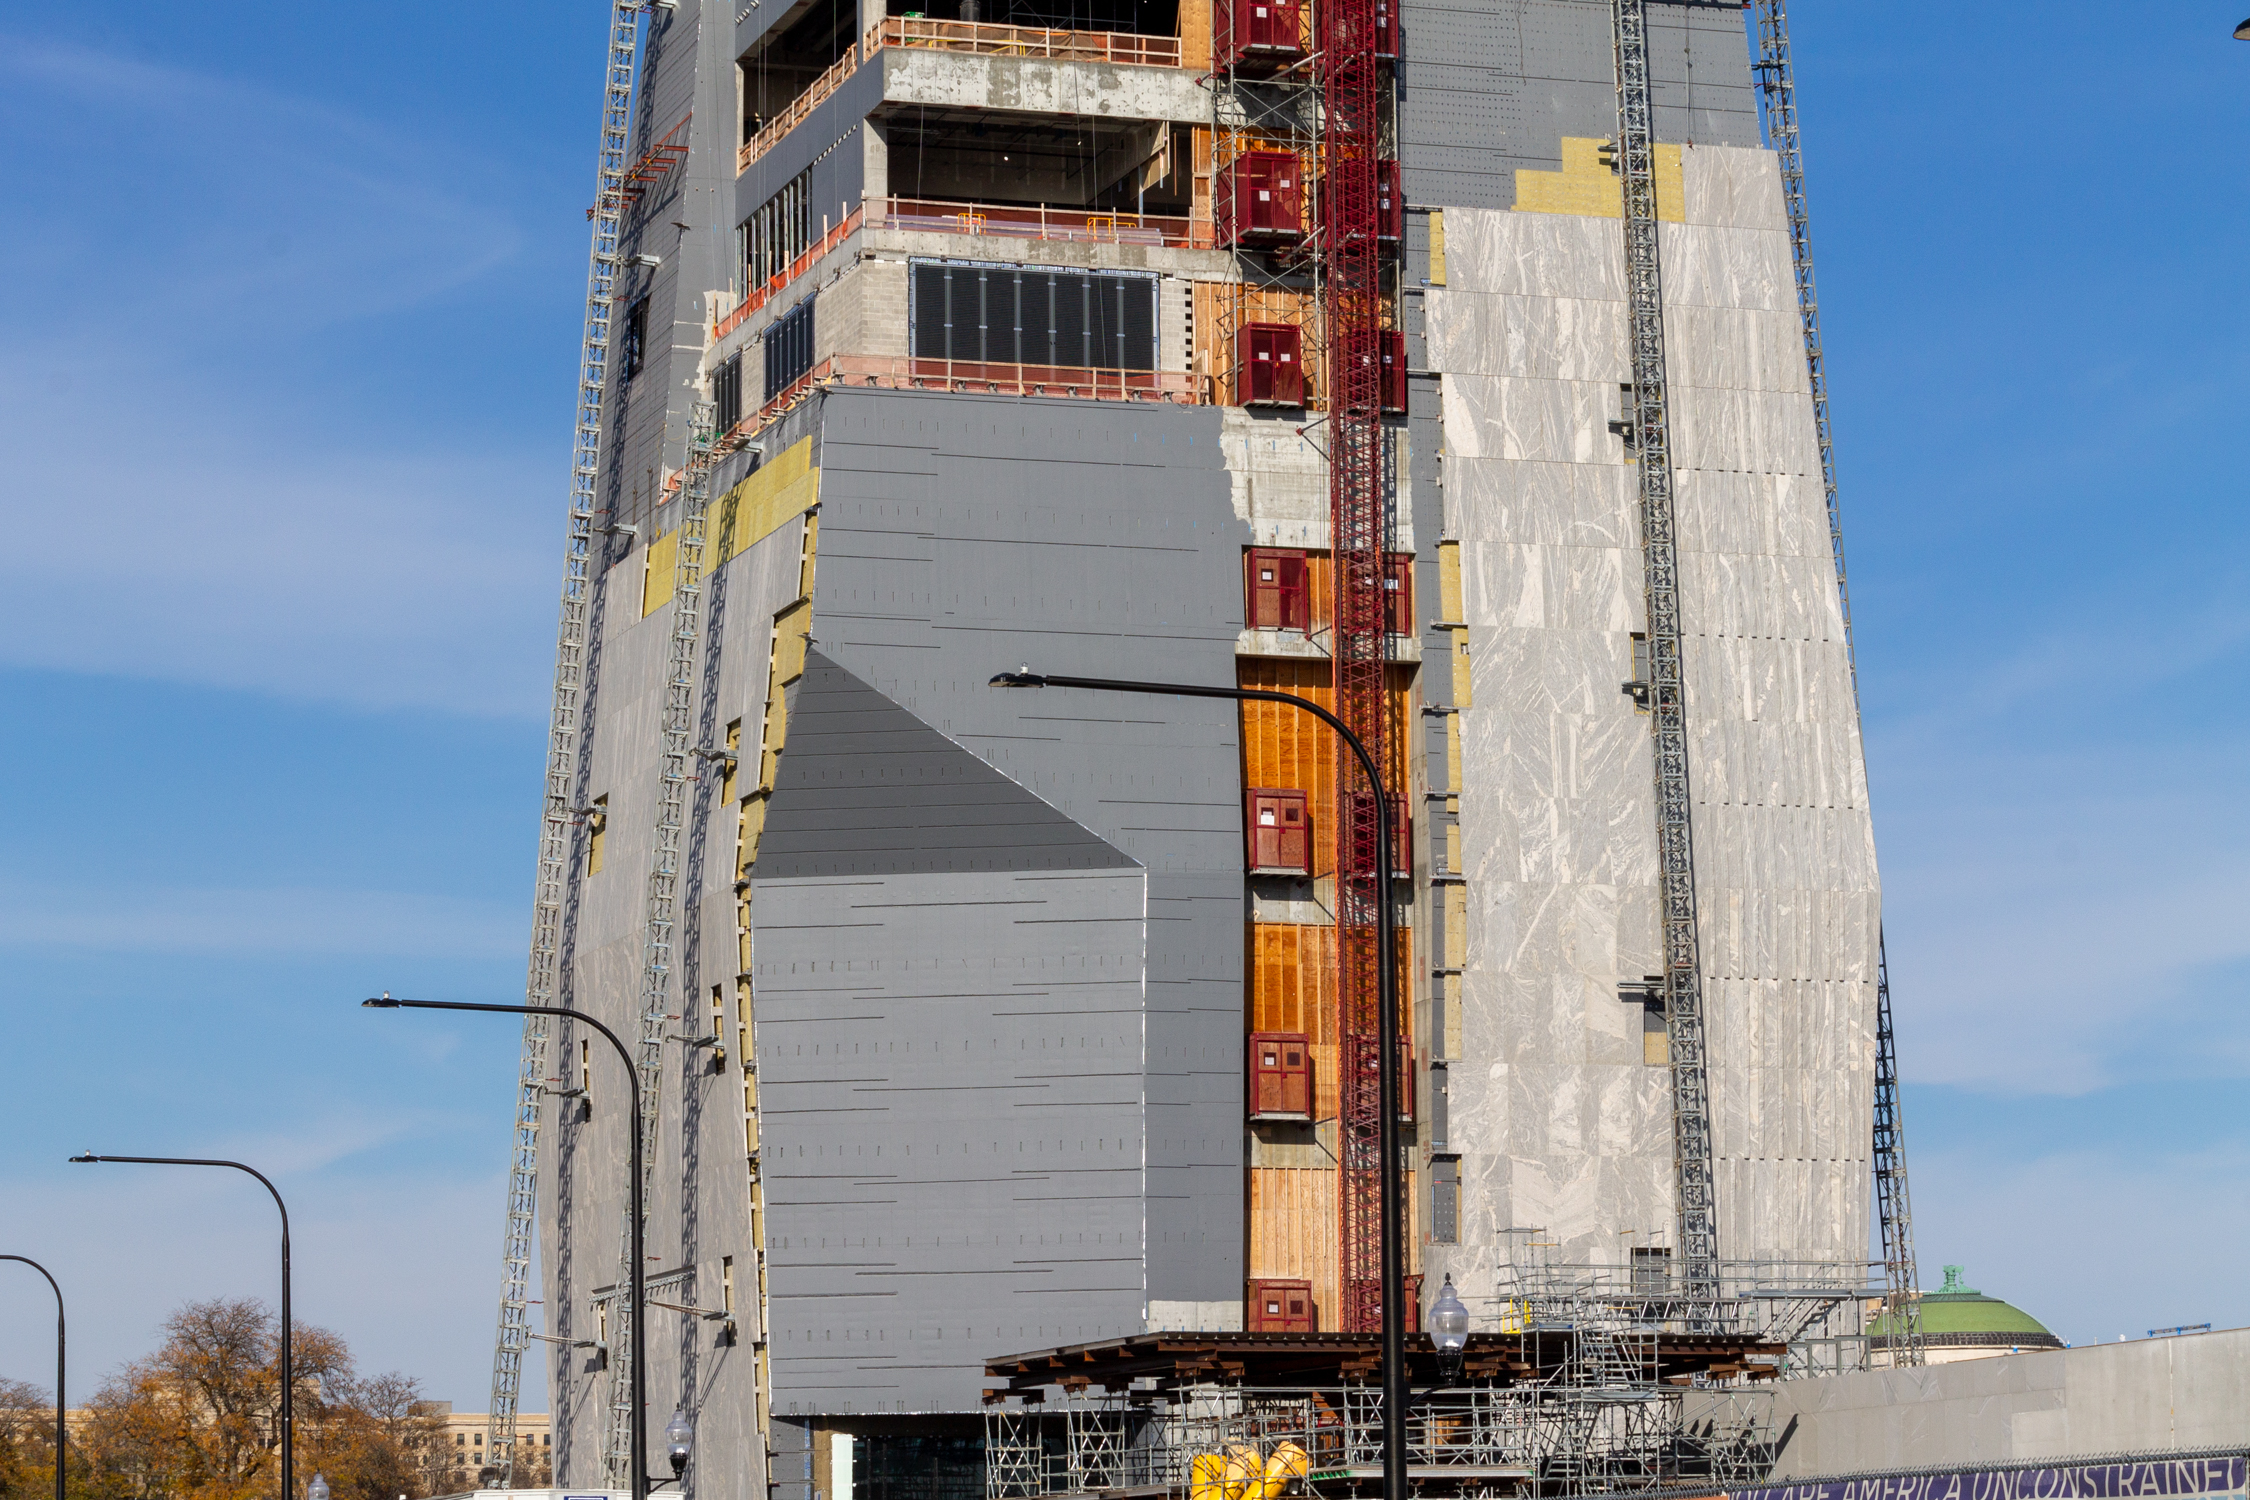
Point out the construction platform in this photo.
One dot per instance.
(1543, 1411)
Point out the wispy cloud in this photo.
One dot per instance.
(191, 920)
(2063, 874)
(181, 511)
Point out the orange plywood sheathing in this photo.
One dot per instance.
(1285, 746)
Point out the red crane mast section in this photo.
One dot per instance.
(1350, 265)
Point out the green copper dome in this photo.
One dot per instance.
(1958, 1315)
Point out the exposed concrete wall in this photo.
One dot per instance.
(2146, 1396)
(1563, 1120)
(973, 81)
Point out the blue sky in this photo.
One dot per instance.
(287, 397)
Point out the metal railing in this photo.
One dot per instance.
(766, 290)
(1079, 226)
(1027, 41)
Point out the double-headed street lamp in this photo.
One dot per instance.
(1393, 1216)
(288, 1377)
(638, 1280)
(62, 1426)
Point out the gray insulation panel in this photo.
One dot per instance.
(1001, 929)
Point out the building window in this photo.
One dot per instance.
(1024, 315)
(789, 348)
(586, 1066)
(635, 343)
(1445, 1201)
(726, 393)
(597, 834)
(726, 1283)
(1656, 1038)
(1278, 596)
(781, 230)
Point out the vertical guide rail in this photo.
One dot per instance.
(677, 730)
(1777, 85)
(1350, 267)
(1683, 988)
(557, 825)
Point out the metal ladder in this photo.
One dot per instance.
(1651, 425)
(557, 820)
(1778, 85)
(661, 907)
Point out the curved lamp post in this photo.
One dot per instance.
(1393, 1216)
(62, 1426)
(288, 1376)
(638, 1291)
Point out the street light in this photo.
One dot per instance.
(1449, 1330)
(638, 1290)
(61, 1425)
(288, 1373)
(1386, 1025)
(679, 1440)
(318, 1489)
(2242, 32)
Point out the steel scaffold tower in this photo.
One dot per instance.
(558, 818)
(1651, 425)
(1349, 254)
(1778, 87)
(661, 906)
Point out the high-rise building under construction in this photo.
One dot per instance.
(1442, 361)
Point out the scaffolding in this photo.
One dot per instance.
(1596, 1392)
(1777, 91)
(559, 819)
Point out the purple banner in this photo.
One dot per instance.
(2179, 1476)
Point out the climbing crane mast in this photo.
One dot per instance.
(558, 820)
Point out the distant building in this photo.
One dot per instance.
(1960, 1322)
(465, 1437)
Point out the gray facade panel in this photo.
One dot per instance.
(961, 536)
(1489, 89)
(867, 788)
(950, 1092)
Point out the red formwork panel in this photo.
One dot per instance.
(1277, 829)
(1256, 37)
(1276, 595)
(1262, 199)
(1281, 1081)
(1269, 365)
(1282, 1307)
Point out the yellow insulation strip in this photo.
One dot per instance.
(1586, 185)
(761, 505)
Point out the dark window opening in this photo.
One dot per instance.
(789, 348)
(782, 229)
(633, 345)
(1015, 315)
(726, 396)
(772, 77)
(1057, 165)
